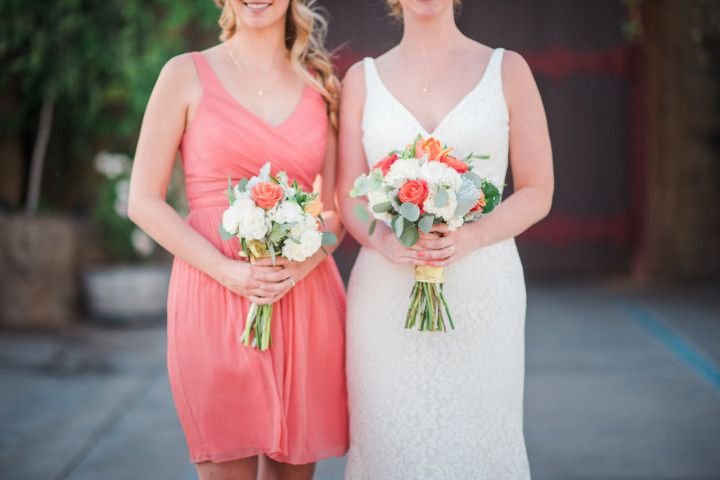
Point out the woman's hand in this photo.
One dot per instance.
(385, 242)
(261, 283)
(442, 247)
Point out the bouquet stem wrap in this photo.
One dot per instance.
(427, 301)
(259, 321)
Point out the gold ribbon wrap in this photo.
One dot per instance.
(429, 274)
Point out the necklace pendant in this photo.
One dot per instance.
(425, 88)
(260, 92)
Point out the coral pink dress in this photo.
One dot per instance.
(233, 401)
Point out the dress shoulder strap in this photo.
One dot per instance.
(372, 79)
(205, 72)
(494, 68)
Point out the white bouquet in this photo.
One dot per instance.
(272, 216)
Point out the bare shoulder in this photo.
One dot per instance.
(180, 76)
(353, 84)
(515, 69)
(179, 68)
(517, 78)
(515, 64)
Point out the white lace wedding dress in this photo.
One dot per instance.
(435, 406)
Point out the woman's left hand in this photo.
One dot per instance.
(442, 247)
(290, 275)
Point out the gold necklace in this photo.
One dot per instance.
(262, 89)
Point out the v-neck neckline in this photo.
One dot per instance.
(249, 112)
(450, 112)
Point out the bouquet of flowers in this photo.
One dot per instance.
(272, 216)
(412, 190)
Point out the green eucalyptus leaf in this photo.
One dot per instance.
(224, 234)
(373, 224)
(329, 238)
(474, 178)
(409, 237)
(361, 212)
(398, 224)
(410, 211)
(441, 198)
(382, 207)
(426, 223)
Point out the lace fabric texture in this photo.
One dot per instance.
(438, 405)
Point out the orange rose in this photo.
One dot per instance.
(314, 207)
(414, 191)
(386, 163)
(432, 148)
(266, 194)
(457, 165)
(480, 203)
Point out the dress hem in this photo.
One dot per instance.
(252, 452)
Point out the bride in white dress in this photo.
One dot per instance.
(442, 405)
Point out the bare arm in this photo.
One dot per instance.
(326, 188)
(176, 90)
(353, 163)
(532, 170)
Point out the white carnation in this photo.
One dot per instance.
(402, 170)
(308, 243)
(286, 212)
(437, 173)
(448, 211)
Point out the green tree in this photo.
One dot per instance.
(86, 67)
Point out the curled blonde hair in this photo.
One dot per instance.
(396, 8)
(305, 33)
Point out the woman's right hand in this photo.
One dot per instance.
(385, 242)
(244, 279)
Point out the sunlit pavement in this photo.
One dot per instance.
(621, 384)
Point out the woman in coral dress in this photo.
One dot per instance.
(266, 93)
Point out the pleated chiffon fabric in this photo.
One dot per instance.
(234, 401)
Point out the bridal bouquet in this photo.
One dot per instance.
(413, 189)
(271, 216)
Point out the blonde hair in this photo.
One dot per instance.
(396, 8)
(305, 30)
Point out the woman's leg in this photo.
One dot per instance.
(243, 469)
(272, 470)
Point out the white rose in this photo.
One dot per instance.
(437, 173)
(402, 170)
(235, 213)
(448, 211)
(286, 212)
(253, 224)
(310, 242)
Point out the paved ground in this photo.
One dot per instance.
(620, 385)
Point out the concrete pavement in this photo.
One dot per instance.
(621, 384)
